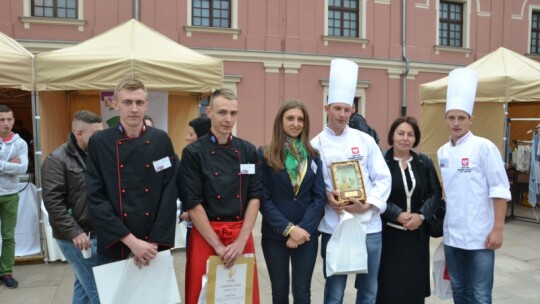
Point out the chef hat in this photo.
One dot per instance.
(461, 90)
(343, 75)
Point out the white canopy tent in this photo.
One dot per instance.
(16, 65)
(506, 80)
(16, 73)
(129, 49)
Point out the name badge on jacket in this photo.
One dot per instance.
(162, 164)
(247, 168)
(444, 163)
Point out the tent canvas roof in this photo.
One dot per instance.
(504, 76)
(15, 65)
(131, 49)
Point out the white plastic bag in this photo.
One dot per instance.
(202, 295)
(180, 235)
(442, 289)
(346, 251)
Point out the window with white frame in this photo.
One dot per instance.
(345, 21)
(212, 16)
(211, 13)
(535, 32)
(453, 24)
(343, 16)
(58, 12)
(54, 8)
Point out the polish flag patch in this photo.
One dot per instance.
(355, 150)
(464, 162)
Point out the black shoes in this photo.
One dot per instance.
(9, 281)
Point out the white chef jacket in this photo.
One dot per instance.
(473, 174)
(354, 145)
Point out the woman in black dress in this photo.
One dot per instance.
(415, 196)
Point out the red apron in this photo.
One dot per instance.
(199, 251)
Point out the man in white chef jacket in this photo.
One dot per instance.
(477, 190)
(338, 142)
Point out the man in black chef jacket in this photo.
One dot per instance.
(220, 183)
(130, 182)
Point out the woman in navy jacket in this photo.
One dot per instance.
(293, 203)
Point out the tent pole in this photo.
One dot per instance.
(506, 137)
(37, 164)
(137, 10)
(404, 57)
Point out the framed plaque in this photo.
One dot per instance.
(348, 181)
(233, 285)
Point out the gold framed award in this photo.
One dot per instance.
(348, 181)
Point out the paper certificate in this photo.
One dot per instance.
(233, 285)
(123, 282)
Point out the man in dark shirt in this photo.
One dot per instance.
(130, 182)
(64, 197)
(220, 183)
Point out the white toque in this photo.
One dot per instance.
(461, 90)
(343, 76)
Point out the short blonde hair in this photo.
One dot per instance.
(225, 93)
(130, 84)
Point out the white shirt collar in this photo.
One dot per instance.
(331, 132)
(463, 139)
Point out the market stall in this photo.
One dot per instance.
(75, 78)
(507, 103)
(71, 79)
(16, 75)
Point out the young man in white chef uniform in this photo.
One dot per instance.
(477, 190)
(338, 142)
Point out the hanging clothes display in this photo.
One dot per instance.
(534, 173)
(523, 160)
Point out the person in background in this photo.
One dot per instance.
(292, 205)
(19, 128)
(359, 122)
(148, 120)
(64, 197)
(220, 185)
(130, 182)
(338, 142)
(13, 162)
(198, 127)
(477, 190)
(416, 195)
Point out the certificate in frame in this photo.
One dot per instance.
(348, 181)
(233, 285)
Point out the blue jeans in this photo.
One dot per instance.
(471, 274)
(84, 289)
(366, 283)
(302, 260)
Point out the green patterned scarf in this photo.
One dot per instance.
(295, 160)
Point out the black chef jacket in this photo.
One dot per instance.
(210, 175)
(126, 193)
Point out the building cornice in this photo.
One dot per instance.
(279, 59)
(274, 61)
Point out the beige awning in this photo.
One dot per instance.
(15, 65)
(504, 76)
(131, 49)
